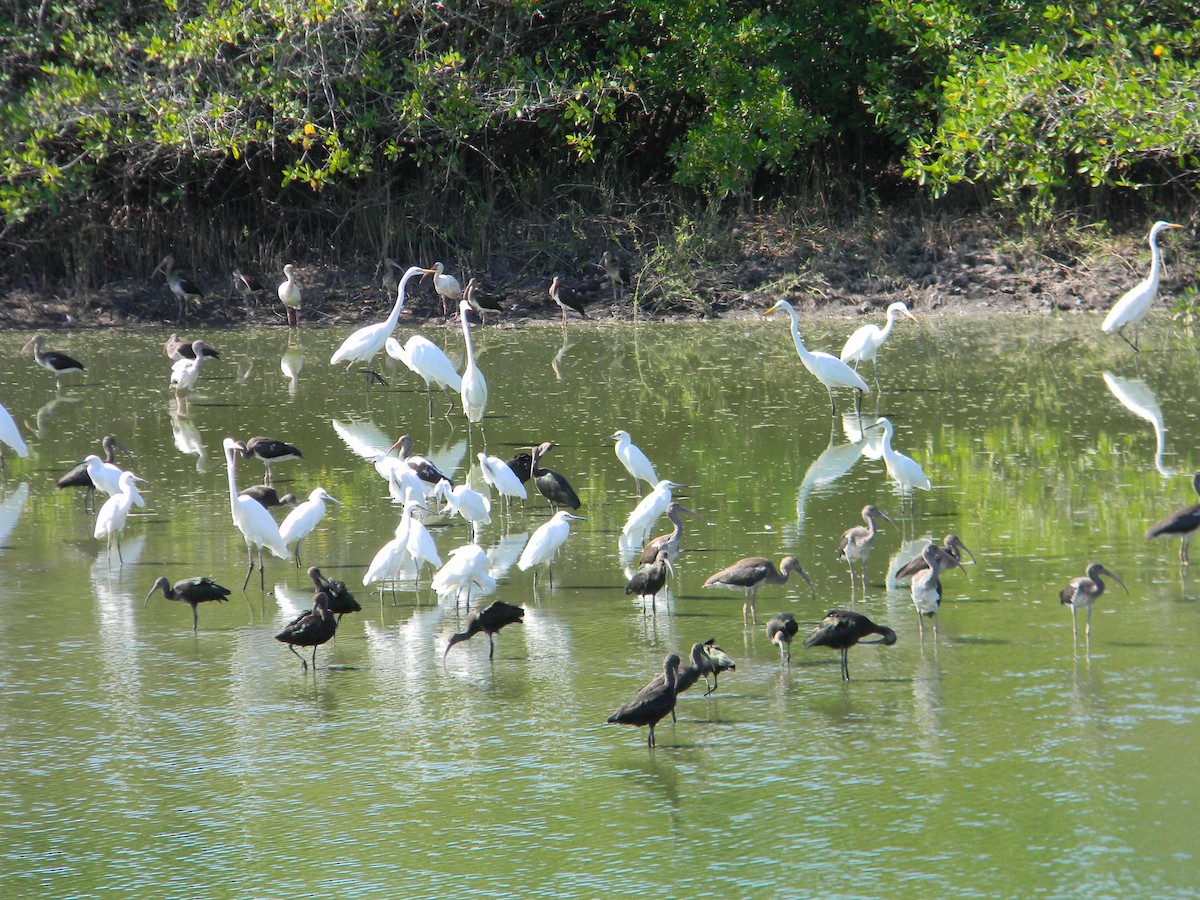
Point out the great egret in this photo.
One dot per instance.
(1084, 592)
(427, 360)
(1182, 522)
(502, 479)
(636, 462)
(192, 591)
(544, 543)
(566, 299)
(446, 287)
(467, 567)
(473, 389)
(781, 629)
(652, 703)
(310, 629)
(54, 361)
(10, 436)
(298, 523)
(363, 344)
(827, 369)
(111, 519)
(864, 344)
(855, 545)
(184, 289)
(750, 574)
(952, 545)
(270, 451)
(617, 274)
(175, 349)
(251, 519)
(653, 505)
(841, 629)
(1135, 303)
(390, 560)
(289, 295)
(902, 469)
(671, 541)
(489, 621)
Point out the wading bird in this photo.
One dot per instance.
(423, 466)
(617, 274)
(566, 299)
(864, 344)
(111, 519)
(298, 523)
(926, 586)
(550, 484)
(670, 541)
(501, 478)
(700, 665)
(650, 578)
(363, 344)
(472, 506)
(79, 476)
(653, 505)
(427, 360)
(270, 451)
(1136, 302)
(841, 629)
(652, 703)
(54, 361)
(489, 621)
(10, 436)
(341, 601)
(855, 545)
(903, 470)
(251, 519)
(175, 349)
(267, 496)
(826, 368)
(636, 462)
(1084, 592)
(192, 591)
(446, 287)
(389, 561)
(466, 568)
(750, 574)
(473, 386)
(185, 373)
(247, 286)
(479, 300)
(185, 290)
(289, 295)
(545, 542)
(1182, 522)
(310, 629)
(781, 628)
(952, 545)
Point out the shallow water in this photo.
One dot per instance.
(998, 761)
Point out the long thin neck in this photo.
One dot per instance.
(232, 482)
(800, 348)
(1155, 259)
(467, 339)
(887, 326)
(394, 315)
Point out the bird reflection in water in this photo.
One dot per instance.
(1137, 397)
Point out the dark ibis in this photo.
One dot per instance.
(781, 628)
(855, 545)
(750, 574)
(1182, 522)
(522, 463)
(310, 629)
(267, 496)
(425, 467)
(566, 298)
(53, 361)
(270, 451)
(650, 578)
(247, 286)
(341, 601)
(550, 484)
(289, 295)
(841, 629)
(652, 703)
(1084, 592)
(192, 591)
(489, 620)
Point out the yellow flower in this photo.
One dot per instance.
(310, 128)
(1159, 50)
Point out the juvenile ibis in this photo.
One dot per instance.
(185, 290)
(650, 578)
(1136, 302)
(781, 628)
(855, 544)
(1182, 522)
(826, 368)
(566, 299)
(175, 349)
(926, 586)
(479, 300)
(310, 629)
(841, 629)
(1084, 592)
(53, 361)
(489, 621)
(270, 451)
(267, 496)
(616, 273)
(652, 703)
(952, 545)
(192, 591)
(671, 541)
(750, 574)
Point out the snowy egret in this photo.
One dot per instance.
(310, 629)
(652, 703)
(289, 295)
(1182, 522)
(192, 591)
(544, 543)
(467, 567)
(750, 574)
(633, 459)
(855, 545)
(446, 287)
(184, 289)
(498, 476)
(566, 299)
(671, 541)
(363, 344)
(473, 388)
(826, 368)
(427, 360)
(79, 475)
(952, 545)
(1084, 592)
(467, 502)
(390, 560)
(111, 519)
(841, 629)
(270, 451)
(903, 470)
(54, 361)
(251, 519)
(781, 628)
(298, 523)
(489, 621)
(550, 484)
(653, 505)
(1135, 303)
(10, 436)
(864, 344)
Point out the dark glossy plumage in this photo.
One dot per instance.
(310, 629)
(841, 629)
(79, 477)
(652, 703)
(699, 665)
(341, 601)
(192, 591)
(267, 496)
(423, 466)
(650, 579)
(270, 451)
(550, 484)
(781, 628)
(54, 361)
(1183, 522)
(489, 621)
(566, 298)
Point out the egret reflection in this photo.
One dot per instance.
(1137, 397)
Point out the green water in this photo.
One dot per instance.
(147, 761)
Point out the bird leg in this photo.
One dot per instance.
(1074, 625)
(249, 566)
(195, 619)
(491, 647)
(845, 664)
(650, 739)
(303, 661)
(314, 658)
(262, 571)
(1183, 548)
(1133, 343)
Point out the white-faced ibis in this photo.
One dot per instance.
(341, 601)
(79, 475)
(652, 703)
(499, 476)
(636, 462)
(618, 276)
(289, 295)
(364, 344)
(926, 585)
(251, 519)
(192, 591)
(841, 629)
(467, 569)
(428, 361)
(781, 628)
(489, 621)
(653, 505)
(298, 523)
(55, 362)
(903, 470)
(267, 496)
(855, 545)
(473, 388)
(310, 629)
(952, 545)
(446, 287)
(10, 436)
(550, 484)
(423, 466)
(864, 344)
(111, 519)
(1182, 522)
(826, 368)
(545, 543)
(670, 541)
(270, 451)
(650, 578)
(750, 574)
(1135, 303)
(175, 349)
(185, 290)
(1084, 592)
(566, 299)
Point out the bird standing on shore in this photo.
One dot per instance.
(1136, 302)
(289, 295)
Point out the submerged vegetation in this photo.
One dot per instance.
(523, 138)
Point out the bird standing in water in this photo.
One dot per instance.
(489, 621)
(289, 295)
(54, 361)
(841, 629)
(1182, 522)
(1136, 302)
(1084, 592)
(310, 629)
(751, 573)
(192, 591)
(781, 629)
(855, 545)
(652, 703)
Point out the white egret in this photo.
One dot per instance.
(298, 523)
(363, 344)
(420, 545)
(749, 574)
(446, 286)
(473, 388)
(110, 521)
(473, 506)
(903, 470)
(864, 344)
(289, 295)
(633, 459)
(545, 543)
(466, 569)
(653, 505)
(390, 560)
(251, 519)
(106, 477)
(54, 361)
(500, 477)
(827, 369)
(10, 436)
(427, 360)
(1135, 303)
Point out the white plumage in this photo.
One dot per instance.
(1136, 302)
(633, 459)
